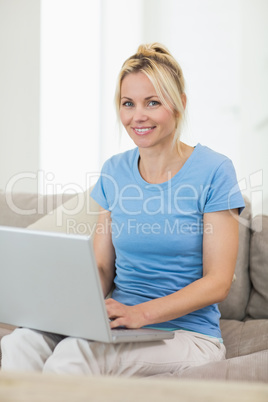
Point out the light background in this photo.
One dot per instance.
(59, 61)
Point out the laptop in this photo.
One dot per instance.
(50, 282)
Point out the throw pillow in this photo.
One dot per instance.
(234, 306)
(258, 302)
(76, 216)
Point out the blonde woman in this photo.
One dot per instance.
(169, 242)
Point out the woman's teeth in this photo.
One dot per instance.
(143, 130)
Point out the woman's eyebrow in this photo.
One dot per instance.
(147, 98)
(153, 96)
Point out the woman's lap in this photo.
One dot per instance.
(32, 350)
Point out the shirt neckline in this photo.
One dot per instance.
(169, 183)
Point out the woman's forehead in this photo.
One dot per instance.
(137, 84)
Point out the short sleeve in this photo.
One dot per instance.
(99, 193)
(224, 192)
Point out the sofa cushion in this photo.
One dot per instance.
(253, 367)
(243, 338)
(76, 216)
(234, 306)
(258, 302)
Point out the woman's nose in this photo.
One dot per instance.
(139, 115)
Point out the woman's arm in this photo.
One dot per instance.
(220, 246)
(104, 251)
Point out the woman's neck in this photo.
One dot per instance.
(158, 166)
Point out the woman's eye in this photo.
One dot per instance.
(128, 104)
(154, 103)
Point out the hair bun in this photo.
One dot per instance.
(152, 48)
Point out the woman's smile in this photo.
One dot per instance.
(143, 130)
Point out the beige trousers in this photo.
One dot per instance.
(29, 350)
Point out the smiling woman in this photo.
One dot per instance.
(152, 246)
(150, 101)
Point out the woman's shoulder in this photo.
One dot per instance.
(211, 158)
(211, 153)
(121, 160)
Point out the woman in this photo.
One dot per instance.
(169, 240)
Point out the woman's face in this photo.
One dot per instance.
(148, 122)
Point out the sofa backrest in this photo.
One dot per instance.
(248, 296)
(22, 209)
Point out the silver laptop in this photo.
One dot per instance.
(50, 282)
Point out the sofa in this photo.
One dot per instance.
(244, 313)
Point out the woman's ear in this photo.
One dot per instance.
(184, 100)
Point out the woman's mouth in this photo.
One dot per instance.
(143, 130)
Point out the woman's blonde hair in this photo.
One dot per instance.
(164, 72)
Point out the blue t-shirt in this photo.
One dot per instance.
(157, 229)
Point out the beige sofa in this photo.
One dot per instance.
(244, 321)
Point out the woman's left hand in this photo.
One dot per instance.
(122, 315)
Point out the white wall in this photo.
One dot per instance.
(253, 74)
(70, 93)
(19, 93)
(221, 46)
